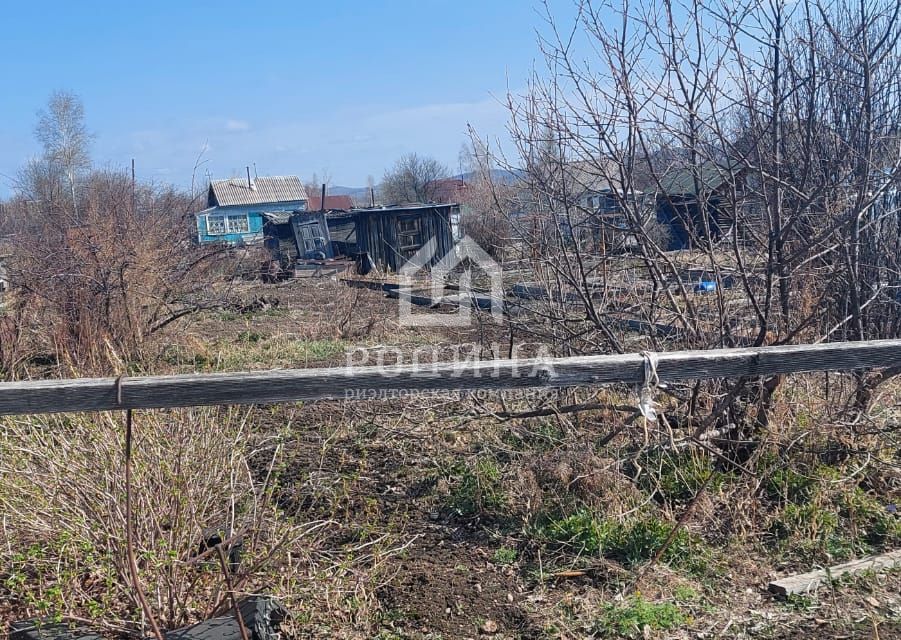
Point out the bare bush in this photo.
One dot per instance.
(413, 178)
(103, 284)
(487, 204)
(12, 350)
(62, 492)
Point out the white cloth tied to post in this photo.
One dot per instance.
(646, 403)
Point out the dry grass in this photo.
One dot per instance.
(62, 494)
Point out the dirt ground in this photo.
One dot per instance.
(449, 581)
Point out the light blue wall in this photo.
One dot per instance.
(255, 220)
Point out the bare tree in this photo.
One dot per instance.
(62, 132)
(413, 178)
(313, 184)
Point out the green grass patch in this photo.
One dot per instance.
(254, 350)
(628, 619)
(819, 520)
(581, 531)
(869, 520)
(797, 479)
(251, 336)
(542, 435)
(505, 556)
(476, 488)
(631, 542)
(677, 476)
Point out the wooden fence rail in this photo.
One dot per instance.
(288, 385)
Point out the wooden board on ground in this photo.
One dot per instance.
(810, 581)
(314, 271)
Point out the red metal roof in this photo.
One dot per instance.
(331, 202)
(449, 189)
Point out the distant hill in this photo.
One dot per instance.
(502, 176)
(360, 195)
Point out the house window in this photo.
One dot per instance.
(215, 225)
(238, 224)
(408, 235)
(220, 225)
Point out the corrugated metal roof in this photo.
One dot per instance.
(278, 217)
(410, 206)
(710, 177)
(235, 191)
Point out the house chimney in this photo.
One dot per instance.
(371, 197)
(322, 202)
(250, 183)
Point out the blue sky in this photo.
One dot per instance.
(342, 87)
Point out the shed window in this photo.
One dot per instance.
(222, 224)
(408, 233)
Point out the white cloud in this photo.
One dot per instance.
(237, 125)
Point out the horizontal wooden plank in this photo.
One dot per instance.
(811, 581)
(287, 385)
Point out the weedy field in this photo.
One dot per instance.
(456, 516)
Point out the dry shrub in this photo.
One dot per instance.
(566, 479)
(350, 320)
(486, 218)
(11, 347)
(62, 493)
(103, 281)
(347, 314)
(491, 230)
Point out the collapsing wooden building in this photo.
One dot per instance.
(384, 238)
(291, 236)
(387, 237)
(297, 234)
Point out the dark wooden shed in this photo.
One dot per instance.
(694, 203)
(390, 236)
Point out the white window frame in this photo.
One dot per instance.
(209, 228)
(245, 219)
(226, 225)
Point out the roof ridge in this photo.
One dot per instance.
(244, 179)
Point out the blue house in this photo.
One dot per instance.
(236, 207)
